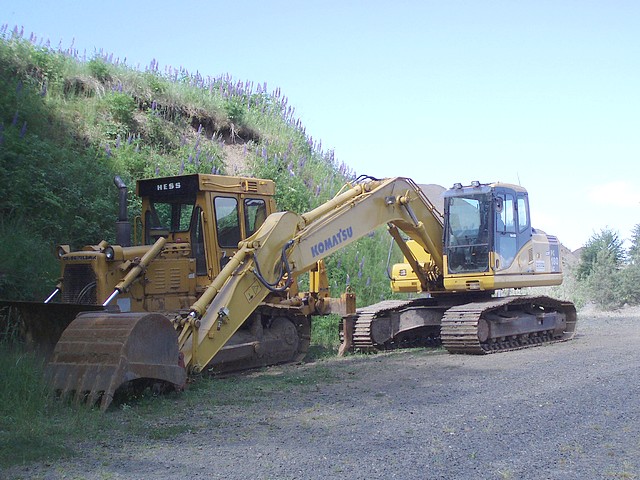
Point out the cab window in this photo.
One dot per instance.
(227, 221)
(506, 217)
(523, 213)
(164, 218)
(255, 213)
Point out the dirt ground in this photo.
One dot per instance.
(562, 411)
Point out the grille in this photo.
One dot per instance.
(251, 186)
(79, 285)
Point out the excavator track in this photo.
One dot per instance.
(278, 335)
(362, 330)
(364, 338)
(469, 328)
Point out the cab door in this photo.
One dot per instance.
(512, 225)
(506, 241)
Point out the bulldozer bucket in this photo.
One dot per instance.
(40, 325)
(100, 352)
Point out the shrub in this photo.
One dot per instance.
(99, 70)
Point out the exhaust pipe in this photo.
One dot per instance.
(123, 226)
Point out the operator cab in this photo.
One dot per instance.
(210, 214)
(486, 225)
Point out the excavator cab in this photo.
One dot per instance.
(489, 242)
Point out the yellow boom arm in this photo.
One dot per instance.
(288, 244)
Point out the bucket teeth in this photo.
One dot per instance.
(99, 352)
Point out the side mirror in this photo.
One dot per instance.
(499, 204)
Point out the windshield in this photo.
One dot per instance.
(467, 235)
(164, 218)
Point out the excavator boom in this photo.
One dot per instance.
(288, 244)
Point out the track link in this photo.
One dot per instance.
(362, 331)
(460, 325)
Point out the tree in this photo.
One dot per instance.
(634, 250)
(604, 246)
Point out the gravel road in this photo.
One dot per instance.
(562, 411)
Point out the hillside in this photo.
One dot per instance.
(69, 124)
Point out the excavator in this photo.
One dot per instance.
(213, 284)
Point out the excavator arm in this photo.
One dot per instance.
(288, 244)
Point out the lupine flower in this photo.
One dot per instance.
(107, 149)
(181, 167)
(14, 122)
(157, 170)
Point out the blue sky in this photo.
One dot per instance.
(541, 93)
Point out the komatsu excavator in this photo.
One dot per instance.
(213, 285)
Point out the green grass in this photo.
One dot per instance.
(35, 426)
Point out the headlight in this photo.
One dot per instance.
(62, 250)
(109, 253)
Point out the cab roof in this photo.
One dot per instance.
(199, 182)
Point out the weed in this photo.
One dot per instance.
(506, 474)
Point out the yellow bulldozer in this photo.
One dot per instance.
(210, 282)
